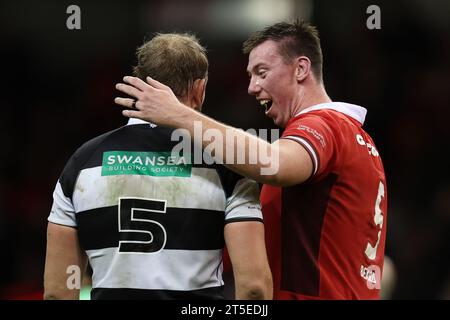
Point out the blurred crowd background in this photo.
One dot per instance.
(57, 91)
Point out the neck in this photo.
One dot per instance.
(188, 102)
(185, 101)
(311, 97)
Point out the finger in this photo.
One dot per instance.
(132, 114)
(129, 90)
(156, 84)
(136, 82)
(125, 102)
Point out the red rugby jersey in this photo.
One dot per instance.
(326, 237)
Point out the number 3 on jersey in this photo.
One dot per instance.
(139, 229)
(371, 252)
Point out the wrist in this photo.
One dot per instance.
(185, 117)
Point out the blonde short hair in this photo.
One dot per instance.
(176, 60)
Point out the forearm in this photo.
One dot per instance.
(240, 151)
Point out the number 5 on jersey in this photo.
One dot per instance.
(371, 252)
(139, 229)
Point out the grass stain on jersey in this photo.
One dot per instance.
(172, 189)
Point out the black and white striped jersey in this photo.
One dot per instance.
(151, 223)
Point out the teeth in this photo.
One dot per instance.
(264, 102)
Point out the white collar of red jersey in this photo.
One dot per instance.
(352, 110)
(132, 121)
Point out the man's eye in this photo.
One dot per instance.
(262, 74)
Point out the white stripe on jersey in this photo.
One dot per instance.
(203, 190)
(244, 201)
(308, 146)
(62, 211)
(165, 270)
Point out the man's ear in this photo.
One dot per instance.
(198, 93)
(303, 68)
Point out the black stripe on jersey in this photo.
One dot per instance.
(140, 137)
(243, 220)
(69, 177)
(186, 229)
(213, 293)
(228, 179)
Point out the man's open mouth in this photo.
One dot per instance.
(266, 103)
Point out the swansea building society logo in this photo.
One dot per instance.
(161, 164)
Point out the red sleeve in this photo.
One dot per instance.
(315, 135)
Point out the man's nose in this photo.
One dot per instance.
(253, 87)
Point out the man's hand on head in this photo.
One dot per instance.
(151, 101)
